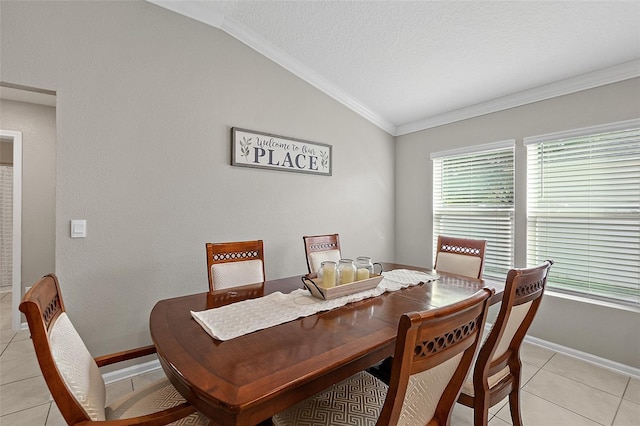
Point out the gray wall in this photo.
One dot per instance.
(145, 102)
(605, 332)
(38, 126)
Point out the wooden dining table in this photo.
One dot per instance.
(248, 379)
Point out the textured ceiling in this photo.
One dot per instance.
(407, 65)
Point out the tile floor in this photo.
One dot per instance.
(557, 389)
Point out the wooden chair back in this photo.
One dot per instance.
(73, 375)
(462, 256)
(319, 248)
(235, 264)
(43, 306)
(497, 370)
(433, 355)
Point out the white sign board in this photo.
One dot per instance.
(264, 150)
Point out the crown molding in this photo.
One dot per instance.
(199, 10)
(205, 12)
(305, 73)
(598, 78)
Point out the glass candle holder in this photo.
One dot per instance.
(346, 271)
(327, 274)
(364, 268)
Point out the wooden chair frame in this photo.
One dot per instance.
(522, 285)
(42, 305)
(319, 243)
(238, 251)
(454, 245)
(463, 246)
(427, 339)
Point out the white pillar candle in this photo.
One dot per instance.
(329, 276)
(347, 276)
(362, 274)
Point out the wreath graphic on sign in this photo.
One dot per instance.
(324, 159)
(244, 147)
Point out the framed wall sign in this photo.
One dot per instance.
(267, 151)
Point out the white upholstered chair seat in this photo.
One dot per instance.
(316, 258)
(77, 367)
(357, 400)
(424, 392)
(73, 376)
(518, 313)
(460, 264)
(492, 381)
(82, 376)
(516, 317)
(152, 398)
(235, 274)
(497, 370)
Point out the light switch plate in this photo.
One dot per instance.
(78, 228)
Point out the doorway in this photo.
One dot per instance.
(14, 231)
(29, 125)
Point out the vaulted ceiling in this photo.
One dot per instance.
(409, 65)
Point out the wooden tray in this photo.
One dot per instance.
(314, 285)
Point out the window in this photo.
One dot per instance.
(583, 210)
(473, 197)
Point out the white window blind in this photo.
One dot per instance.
(583, 210)
(473, 197)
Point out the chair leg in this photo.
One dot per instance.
(514, 396)
(514, 406)
(481, 411)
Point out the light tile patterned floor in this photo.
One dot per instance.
(557, 389)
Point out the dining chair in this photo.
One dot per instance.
(462, 256)
(497, 370)
(74, 377)
(433, 353)
(235, 264)
(320, 248)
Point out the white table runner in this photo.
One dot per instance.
(244, 317)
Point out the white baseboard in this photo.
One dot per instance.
(583, 356)
(593, 359)
(129, 372)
